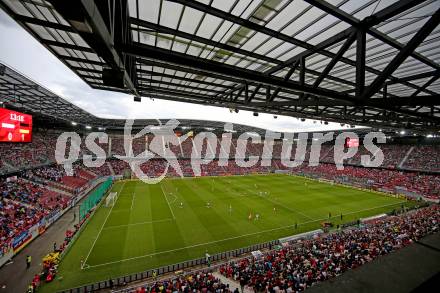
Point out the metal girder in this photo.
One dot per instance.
(256, 27)
(181, 78)
(250, 98)
(193, 37)
(36, 21)
(280, 64)
(390, 11)
(418, 76)
(166, 64)
(368, 120)
(69, 46)
(400, 101)
(360, 62)
(418, 38)
(428, 83)
(146, 51)
(335, 60)
(101, 37)
(240, 91)
(316, 49)
(243, 22)
(375, 19)
(144, 81)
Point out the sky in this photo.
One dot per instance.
(19, 50)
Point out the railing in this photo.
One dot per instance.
(124, 280)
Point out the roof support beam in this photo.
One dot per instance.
(416, 40)
(316, 49)
(181, 78)
(43, 23)
(377, 18)
(193, 37)
(146, 51)
(286, 78)
(257, 88)
(180, 59)
(400, 101)
(102, 39)
(360, 62)
(335, 60)
(418, 76)
(428, 83)
(262, 29)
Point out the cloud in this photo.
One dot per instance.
(22, 52)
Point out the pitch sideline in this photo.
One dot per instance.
(100, 230)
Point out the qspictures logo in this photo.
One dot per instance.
(164, 136)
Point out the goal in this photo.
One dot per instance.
(111, 199)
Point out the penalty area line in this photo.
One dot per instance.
(132, 200)
(166, 199)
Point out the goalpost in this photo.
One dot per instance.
(111, 199)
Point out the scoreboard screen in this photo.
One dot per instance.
(351, 142)
(15, 126)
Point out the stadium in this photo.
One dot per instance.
(302, 152)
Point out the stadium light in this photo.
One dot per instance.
(88, 127)
(402, 132)
(430, 136)
(209, 128)
(74, 123)
(101, 128)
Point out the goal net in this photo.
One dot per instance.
(111, 199)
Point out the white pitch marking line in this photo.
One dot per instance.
(139, 223)
(235, 237)
(166, 199)
(132, 200)
(102, 227)
(288, 208)
(283, 205)
(174, 199)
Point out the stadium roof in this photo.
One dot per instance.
(20, 92)
(363, 62)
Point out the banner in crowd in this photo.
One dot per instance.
(11, 179)
(19, 242)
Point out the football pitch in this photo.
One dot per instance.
(181, 219)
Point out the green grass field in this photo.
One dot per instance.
(148, 226)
